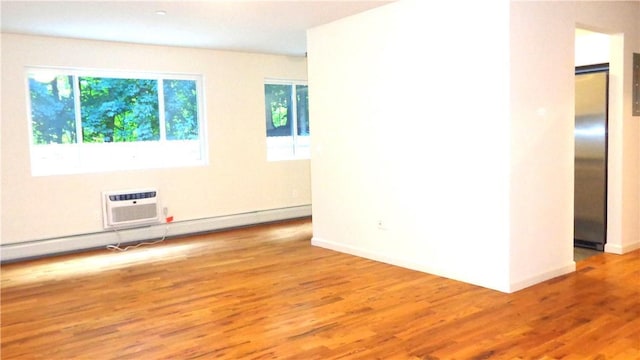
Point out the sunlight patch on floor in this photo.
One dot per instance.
(98, 262)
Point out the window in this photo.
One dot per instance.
(287, 120)
(105, 121)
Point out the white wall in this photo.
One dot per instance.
(542, 141)
(455, 131)
(409, 104)
(237, 180)
(592, 48)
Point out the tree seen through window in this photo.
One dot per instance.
(111, 109)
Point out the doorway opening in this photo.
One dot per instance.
(591, 141)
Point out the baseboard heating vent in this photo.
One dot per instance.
(130, 208)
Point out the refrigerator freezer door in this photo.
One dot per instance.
(590, 159)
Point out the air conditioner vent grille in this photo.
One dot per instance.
(132, 196)
(134, 213)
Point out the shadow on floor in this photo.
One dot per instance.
(583, 253)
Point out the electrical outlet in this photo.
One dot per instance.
(167, 218)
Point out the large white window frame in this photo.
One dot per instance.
(81, 157)
(294, 147)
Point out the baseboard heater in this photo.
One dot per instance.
(130, 208)
(63, 245)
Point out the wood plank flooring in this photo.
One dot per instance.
(265, 293)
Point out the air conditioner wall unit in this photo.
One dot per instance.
(130, 208)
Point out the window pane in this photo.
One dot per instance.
(279, 121)
(302, 103)
(119, 110)
(181, 109)
(52, 109)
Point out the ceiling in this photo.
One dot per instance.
(275, 27)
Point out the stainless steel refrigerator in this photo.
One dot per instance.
(590, 201)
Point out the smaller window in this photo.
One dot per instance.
(287, 120)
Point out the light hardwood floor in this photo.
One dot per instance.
(265, 293)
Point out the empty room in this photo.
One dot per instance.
(315, 180)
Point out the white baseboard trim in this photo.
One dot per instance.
(621, 249)
(355, 251)
(513, 287)
(521, 284)
(47, 247)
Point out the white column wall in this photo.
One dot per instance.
(409, 104)
(542, 141)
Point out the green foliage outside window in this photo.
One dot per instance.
(278, 99)
(111, 109)
(119, 110)
(279, 115)
(302, 108)
(287, 120)
(287, 110)
(181, 109)
(52, 110)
